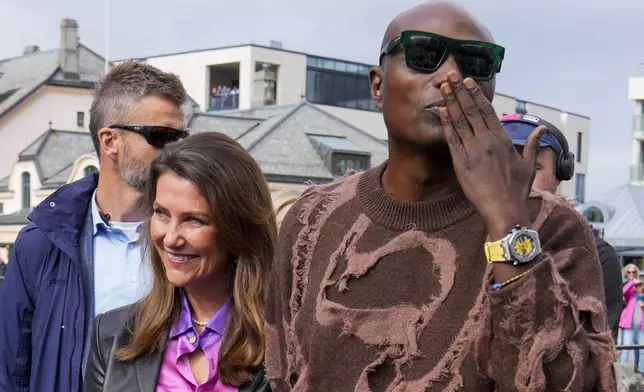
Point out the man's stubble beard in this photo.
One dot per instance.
(134, 172)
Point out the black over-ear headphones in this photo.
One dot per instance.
(565, 165)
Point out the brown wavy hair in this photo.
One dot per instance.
(231, 180)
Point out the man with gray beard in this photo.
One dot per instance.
(81, 255)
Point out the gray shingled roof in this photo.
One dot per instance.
(24, 74)
(55, 153)
(284, 144)
(623, 210)
(230, 125)
(20, 76)
(31, 150)
(17, 218)
(4, 184)
(284, 150)
(263, 112)
(282, 138)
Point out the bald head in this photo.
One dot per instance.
(438, 17)
(406, 84)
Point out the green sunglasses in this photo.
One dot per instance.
(426, 52)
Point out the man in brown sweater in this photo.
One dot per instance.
(437, 270)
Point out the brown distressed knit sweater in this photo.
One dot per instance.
(372, 294)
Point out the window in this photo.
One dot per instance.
(312, 62)
(520, 108)
(580, 187)
(598, 232)
(223, 86)
(594, 215)
(579, 136)
(340, 154)
(80, 119)
(328, 64)
(342, 162)
(351, 93)
(26, 191)
(89, 170)
(338, 83)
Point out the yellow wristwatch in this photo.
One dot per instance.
(521, 245)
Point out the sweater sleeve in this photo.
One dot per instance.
(548, 331)
(279, 343)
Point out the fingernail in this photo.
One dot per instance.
(469, 83)
(444, 115)
(453, 77)
(445, 88)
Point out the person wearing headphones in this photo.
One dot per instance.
(555, 163)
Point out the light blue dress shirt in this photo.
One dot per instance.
(120, 276)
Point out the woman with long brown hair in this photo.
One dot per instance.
(211, 237)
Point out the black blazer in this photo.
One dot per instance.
(613, 292)
(105, 374)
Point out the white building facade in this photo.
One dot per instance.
(268, 76)
(41, 90)
(636, 94)
(45, 89)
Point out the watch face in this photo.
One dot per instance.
(524, 247)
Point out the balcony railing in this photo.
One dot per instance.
(224, 102)
(637, 173)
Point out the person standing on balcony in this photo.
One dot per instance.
(235, 97)
(215, 100)
(81, 253)
(224, 96)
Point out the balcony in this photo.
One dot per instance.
(638, 127)
(637, 174)
(223, 86)
(224, 102)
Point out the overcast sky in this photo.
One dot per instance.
(575, 55)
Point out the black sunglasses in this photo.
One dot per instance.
(425, 52)
(155, 135)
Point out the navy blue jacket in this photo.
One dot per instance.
(44, 302)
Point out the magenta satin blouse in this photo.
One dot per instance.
(175, 374)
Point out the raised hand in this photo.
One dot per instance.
(493, 175)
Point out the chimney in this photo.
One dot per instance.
(31, 49)
(68, 52)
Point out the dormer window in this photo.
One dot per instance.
(26, 191)
(594, 215)
(340, 155)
